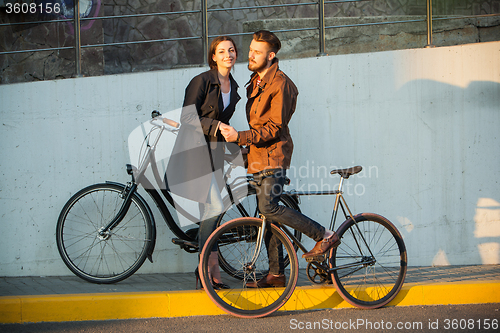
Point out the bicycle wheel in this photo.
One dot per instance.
(118, 253)
(244, 204)
(240, 240)
(370, 263)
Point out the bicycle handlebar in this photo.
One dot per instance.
(156, 115)
(171, 123)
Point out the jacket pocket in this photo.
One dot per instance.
(272, 155)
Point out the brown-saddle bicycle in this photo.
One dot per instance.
(368, 268)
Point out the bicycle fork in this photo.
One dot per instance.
(250, 266)
(131, 187)
(127, 193)
(129, 190)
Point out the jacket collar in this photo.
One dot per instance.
(214, 78)
(270, 74)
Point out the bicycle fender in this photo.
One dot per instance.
(152, 244)
(358, 218)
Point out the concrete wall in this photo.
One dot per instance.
(423, 123)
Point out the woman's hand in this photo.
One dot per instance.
(229, 133)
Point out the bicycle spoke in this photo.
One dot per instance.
(371, 261)
(246, 207)
(241, 300)
(97, 255)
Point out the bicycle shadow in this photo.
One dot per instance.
(315, 298)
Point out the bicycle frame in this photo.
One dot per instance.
(339, 202)
(156, 192)
(132, 186)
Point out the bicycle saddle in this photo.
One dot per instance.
(346, 173)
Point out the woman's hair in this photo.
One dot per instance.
(213, 48)
(269, 38)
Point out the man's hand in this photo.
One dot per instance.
(229, 133)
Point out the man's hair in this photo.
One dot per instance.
(269, 38)
(213, 48)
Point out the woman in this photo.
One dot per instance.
(214, 96)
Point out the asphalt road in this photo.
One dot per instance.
(442, 318)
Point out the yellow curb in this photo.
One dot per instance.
(78, 307)
(448, 293)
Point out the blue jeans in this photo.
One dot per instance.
(268, 196)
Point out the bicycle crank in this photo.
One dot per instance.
(318, 273)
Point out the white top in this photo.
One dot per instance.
(226, 97)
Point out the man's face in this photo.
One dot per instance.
(259, 56)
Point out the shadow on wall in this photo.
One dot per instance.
(486, 234)
(456, 160)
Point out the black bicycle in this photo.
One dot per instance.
(106, 231)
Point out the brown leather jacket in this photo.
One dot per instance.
(269, 109)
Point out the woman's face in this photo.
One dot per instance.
(225, 55)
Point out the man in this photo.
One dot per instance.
(272, 98)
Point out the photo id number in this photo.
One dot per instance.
(468, 324)
(32, 8)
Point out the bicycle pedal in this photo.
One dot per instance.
(187, 246)
(318, 259)
(177, 241)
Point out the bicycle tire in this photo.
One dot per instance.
(239, 300)
(245, 205)
(118, 254)
(377, 277)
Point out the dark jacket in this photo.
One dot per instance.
(190, 158)
(269, 109)
(205, 93)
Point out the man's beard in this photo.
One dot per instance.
(256, 67)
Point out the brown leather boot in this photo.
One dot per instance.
(323, 245)
(270, 280)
